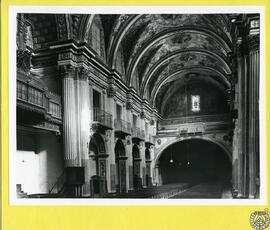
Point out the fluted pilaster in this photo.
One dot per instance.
(253, 89)
(69, 116)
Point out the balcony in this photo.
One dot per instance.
(122, 128)
(137, 134)
(101, 120)
(36, 104)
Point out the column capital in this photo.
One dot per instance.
(67, 71)
(83, 73)
(253, 42)
(111, 91)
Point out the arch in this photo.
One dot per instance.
(120, 65)
(85, 26)
(179, 84)
(94, 36)
(114, 44)
(176, 53)
(182, 71)
(171, 142)
(119, 149)
(97, 144)
(44, 29)
(171, 32)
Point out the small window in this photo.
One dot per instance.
(195, 103)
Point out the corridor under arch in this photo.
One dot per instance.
(195, 162)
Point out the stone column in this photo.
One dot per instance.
(83, 115)
(239, 141)
(69, 116)
(253, 91)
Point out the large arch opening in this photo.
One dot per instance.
(97, 152)
(195, 161)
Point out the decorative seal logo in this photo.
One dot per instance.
(259, 219)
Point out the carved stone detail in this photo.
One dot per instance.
(24, 60)
(253, 42)
(129, 105)
(82, 73)
(111, 91)
(61, 27)
(67, 71)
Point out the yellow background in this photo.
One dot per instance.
(121, 217)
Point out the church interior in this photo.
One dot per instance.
(138, 106)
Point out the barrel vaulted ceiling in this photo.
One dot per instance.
(158, 49)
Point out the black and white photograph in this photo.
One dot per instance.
(160, 106)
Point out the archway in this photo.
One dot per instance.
(194, 161)
(97, 152)
(120, 161)
(137, 180)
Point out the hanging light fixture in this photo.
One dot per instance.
(187, 147)
(171, 160)
(188, 162)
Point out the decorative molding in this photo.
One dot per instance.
(67, 71)
(61, 27)
(142, 115)
(111, 91)
(82, 73)
(254, 42)
(108, 134)
(129, 105)
(49, 126)
(128, 140)
(24, 60)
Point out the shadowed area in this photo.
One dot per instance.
(194, 161)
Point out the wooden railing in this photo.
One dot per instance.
(43, 100)
(102, 117)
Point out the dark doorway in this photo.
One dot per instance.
(120, 159)
(137, 180)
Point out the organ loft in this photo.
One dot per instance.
(132, 105)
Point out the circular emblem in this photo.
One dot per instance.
(259, 219)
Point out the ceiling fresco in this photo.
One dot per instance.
(154, 46)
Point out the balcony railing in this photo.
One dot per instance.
(102, 117)
(39, 100)
(138, 133)
(122, 126)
